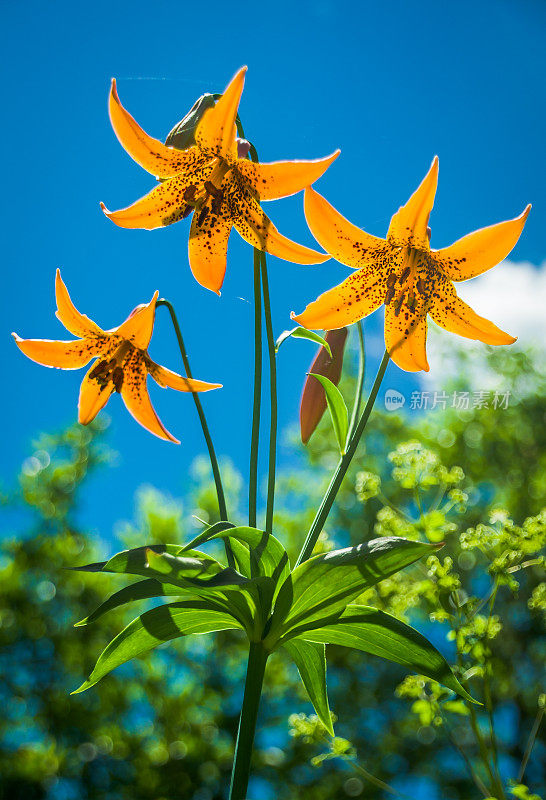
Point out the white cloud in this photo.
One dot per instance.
(513, 296)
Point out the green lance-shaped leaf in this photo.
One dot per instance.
(142, 590)
(262, 559)
(321, 587)
(303, 333)
(265, 556)
(337, 408)
(310, 659)
(380, 634)
(191, 570)
(156, 626)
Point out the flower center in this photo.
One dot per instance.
(111, 370)
(408, 288)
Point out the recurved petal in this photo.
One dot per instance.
(207, 250)
(216, 132)
(406, 339)
(94, 395)
(409, 224)
(64, 355)
(283, 178)
(165, 377)
(258, 230)
(151, 154)
(359, 294)
(343, 240)
(139, 325)
(137, 400)
(162, 206)
(479, 251)
(68, 314)
(453, 314)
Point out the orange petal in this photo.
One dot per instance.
(453, 314)
(68, 314)
(479, 251)
(162, 206)
(165, 377)
(284, 178)
(406, 339)
(216, 132)
(138, 327)
(207, 250)
(151, 154)
(313, 399)
(257, 229)
(344, 241)
(409, 224)
(93, 397)
(355, 298)
(64, 355)
(137, 400)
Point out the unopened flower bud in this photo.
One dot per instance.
(313, 399)
(182, 135)
(243, 146)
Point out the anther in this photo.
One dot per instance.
(202, 215)
(411, 301)
(117, 379)
(389, 295)
(399, 305)
(212, 189)
(189, 193)
(421, 286)
(98, 369)
(404, 275)
(391, 279)
(187, 211)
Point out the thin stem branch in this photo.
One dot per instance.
(273, 398)
(530, 743)
(256, 406)
(222, 508)
(360, 379)
(342, 467)
(257, 659)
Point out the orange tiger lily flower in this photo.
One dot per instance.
(122, 364)
(210, 179)
(403, 272)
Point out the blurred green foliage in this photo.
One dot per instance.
(163, 727)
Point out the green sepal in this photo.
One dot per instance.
(182, 135)
(310, 659)
(337, 408)
(372, 631)
(303, 333)
(156, 626)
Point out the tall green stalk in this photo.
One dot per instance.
(359, 380)
(273, 399)
(256, 405)
(257, 659)
(342, 467)
(222, 508)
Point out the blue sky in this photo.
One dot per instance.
(392, 84)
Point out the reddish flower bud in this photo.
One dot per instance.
(313, 399)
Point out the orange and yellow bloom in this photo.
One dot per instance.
(211, 180)
(403, 272)
(122, 364)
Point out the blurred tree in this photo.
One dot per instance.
(163, 727)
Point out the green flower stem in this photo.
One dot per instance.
(360, 380)
(257, 659)
(273, 398)
(222, 508)
(256, 406)
(342, 467)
